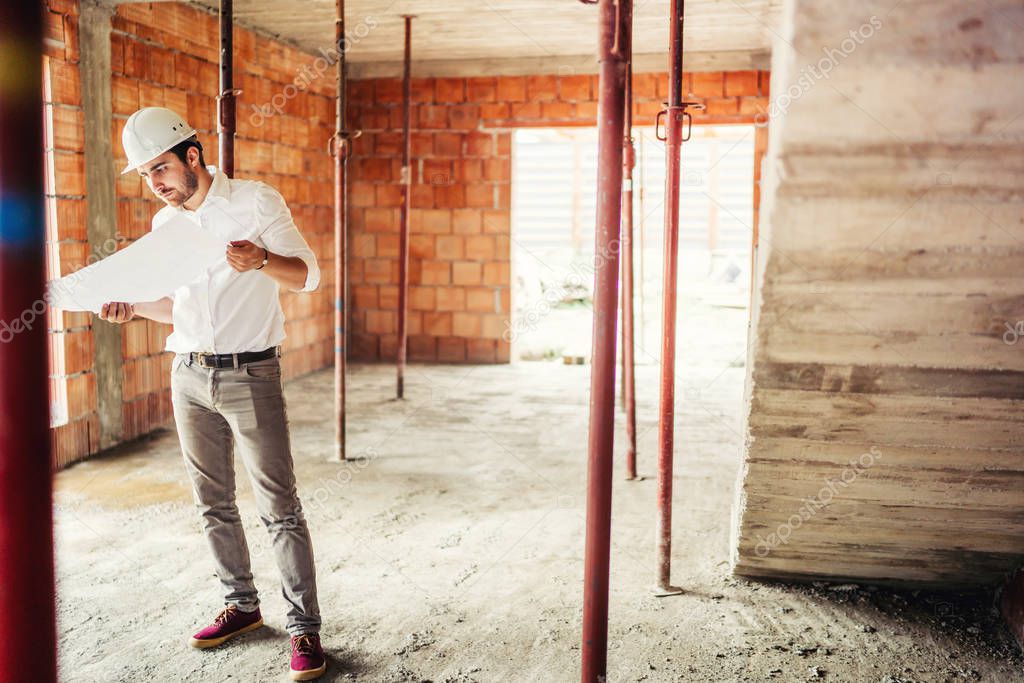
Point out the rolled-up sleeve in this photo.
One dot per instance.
(280, 234)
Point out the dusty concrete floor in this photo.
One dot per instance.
(452, 551)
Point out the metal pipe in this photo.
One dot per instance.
(226, 99)
(340, 148)
(26, 498)
(676, 111)
(626, 252)
(403, 240)
(613, 49)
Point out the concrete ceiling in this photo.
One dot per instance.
(465, 37)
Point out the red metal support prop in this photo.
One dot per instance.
(340, 147)
(626, 253)
(403, 240)
(226, 98)
(613, 49)
(26, 495)
(677, 114)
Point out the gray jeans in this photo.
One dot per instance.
(216, 409)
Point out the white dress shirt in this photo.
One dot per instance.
(225, 311)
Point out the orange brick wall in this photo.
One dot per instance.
(67, 243)
(165, 54)
(460, 224)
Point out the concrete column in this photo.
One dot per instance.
(101, 214)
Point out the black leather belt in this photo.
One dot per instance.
(231, 360)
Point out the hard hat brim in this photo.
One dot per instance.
(132, 166)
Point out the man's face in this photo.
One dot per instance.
(170, 179)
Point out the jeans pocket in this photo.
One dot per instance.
(263, 369)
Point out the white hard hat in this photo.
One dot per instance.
(150, 132)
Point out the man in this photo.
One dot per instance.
(226, 376)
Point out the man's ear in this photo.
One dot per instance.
(193, 157)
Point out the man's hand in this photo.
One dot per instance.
(243, 255)
(117, 312)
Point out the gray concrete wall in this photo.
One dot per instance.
(886, 373)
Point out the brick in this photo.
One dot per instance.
(421, 246)
(437, 324)
(422, 298)
(494, 111)
(483, 89)
(480, 195)
(511, 89)
(469, 170)
(557, 110)
(451, 299)
(422, 348)
(497, 221)
(422, 90)
(449, 196)
(725, 106)
(480, 299)
(480, 247)
(586, 111)
(481, 350)
(435, 273)
(387, 246)
(494, 326)
(497, 273)
(387, 296)
(499, 169)
(451, 350)
(708, 84)
(450, 247)
(364, 296)
(448, 144)
(465, 325)
(381, 322)
(67, 128)
(378, 271)
(65, 86)
(541, 88)
(387, 90)
(361, 194)
(381, 220)
(449, 90)
(466, 273)
(464, 117)
(434, 221)
(432, 116)
(574, 88)
(467, 221)
(479, 144)
(741, 83)
(389, 195)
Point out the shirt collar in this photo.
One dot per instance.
(221, 186)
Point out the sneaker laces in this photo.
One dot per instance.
(303, 644)
(225, 614)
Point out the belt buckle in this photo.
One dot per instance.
(202, 360)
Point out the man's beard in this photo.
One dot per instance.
(191, 185)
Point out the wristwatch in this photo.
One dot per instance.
(266, 259)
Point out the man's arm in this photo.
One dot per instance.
(120, 312)
(288, 271)
(290, 261)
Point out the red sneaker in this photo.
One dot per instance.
(228, 624)
(308, 660)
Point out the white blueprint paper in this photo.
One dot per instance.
(151, 268)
